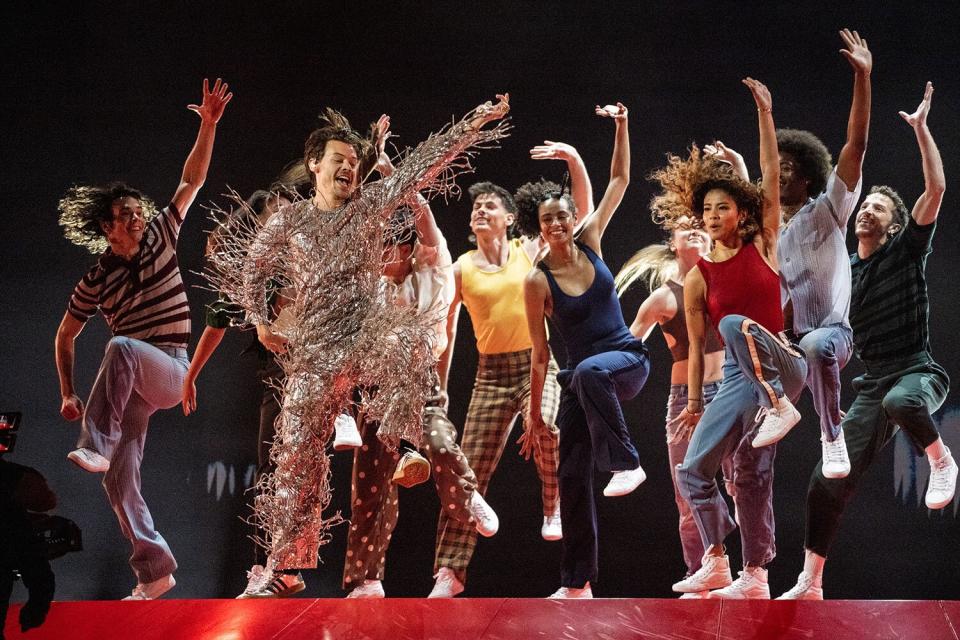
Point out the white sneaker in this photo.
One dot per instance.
(152, 590)
(776, 423)
(623, 482)
(346, 435)
(836, 462)
(413, 469)
(254, 581)
(483, 515)
(943, 482)
(569, 593)
(89, 460)
(807, 588)
(369, 589)
(714, 573)
(447, 585)
(696, 595)
(552, 528)
(751, 585)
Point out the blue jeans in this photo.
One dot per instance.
(593, 435)
(135, 379)
(677, 444)
(828, 350)
(758, 369)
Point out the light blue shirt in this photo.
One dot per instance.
(814, 262)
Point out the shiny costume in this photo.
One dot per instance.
(344, 334)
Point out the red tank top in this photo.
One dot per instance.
(744, 285)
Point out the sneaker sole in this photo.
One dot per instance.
(412, 475)
(835, 475)
(716, 584)
(79, 460)
(346, 446)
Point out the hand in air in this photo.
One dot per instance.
(553, 151)
(918, 118)
(489, 111)
(618, 112)
(761, 95)
(214, 102)
(723, 153)
(856, 53)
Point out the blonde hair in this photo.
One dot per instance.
(652, 265)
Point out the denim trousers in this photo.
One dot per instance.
(593, 436)
(759, 369)
(828, 350)
(135, 379)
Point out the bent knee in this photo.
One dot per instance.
(731, 326)
(902, 404)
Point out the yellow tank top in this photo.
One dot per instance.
(495, 301)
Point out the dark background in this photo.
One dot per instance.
(97, 92)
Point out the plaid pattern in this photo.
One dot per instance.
(501, 392)
(374, 500)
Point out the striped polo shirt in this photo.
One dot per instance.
(144, 297)
(814, 263)
(890, 310)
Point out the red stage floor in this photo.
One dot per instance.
(493, 618)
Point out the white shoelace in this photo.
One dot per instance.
(834, 451)
(940, 474)
(804, 582)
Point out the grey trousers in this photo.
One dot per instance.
(135, 379)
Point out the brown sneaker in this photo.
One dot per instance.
(412, 470)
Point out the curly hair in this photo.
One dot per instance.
(684, 184)
(335, 126)
(83, 209)
(812, 157)
(900, 213)
(530, 196)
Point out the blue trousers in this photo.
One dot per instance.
(757, 370)
(593, 436)
(828, 350)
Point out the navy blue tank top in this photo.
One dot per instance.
(590, 323)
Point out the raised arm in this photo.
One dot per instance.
(436, 160)
(428, 233)
(195, 169)
(695, 309)
(71, 407)
(769, 165)
(535, 295)
(850, 162)
(927, 207)
(597, 222)
(723, 153)
(580, 187)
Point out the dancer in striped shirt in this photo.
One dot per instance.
(136, 285)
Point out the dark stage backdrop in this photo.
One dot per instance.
(97, 92)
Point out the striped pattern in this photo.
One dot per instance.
(501, 392)
(890, 310)
(143, 298)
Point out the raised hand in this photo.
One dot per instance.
(761, 95)
(919, 117)
(214, 102)
(617, 112)
(488, 111)
(722, 153)
(553, 151)
(856, 53)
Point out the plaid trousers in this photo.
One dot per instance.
(501, 392)
(374, 500)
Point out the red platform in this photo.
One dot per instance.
(496, 619)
